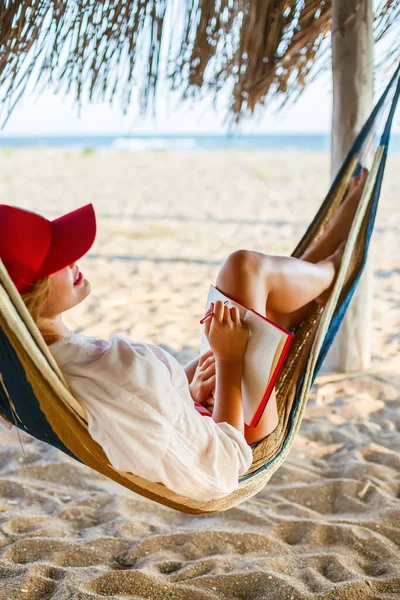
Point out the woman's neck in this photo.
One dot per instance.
(53, 329)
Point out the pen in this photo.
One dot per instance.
(210, 314)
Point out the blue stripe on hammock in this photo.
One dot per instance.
(23, 398)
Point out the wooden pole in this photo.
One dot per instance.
(352, 75)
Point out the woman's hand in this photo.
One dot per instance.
(226, 333)
(203, 382)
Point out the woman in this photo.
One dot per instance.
(143, 408)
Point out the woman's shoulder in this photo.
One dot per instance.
(76, 346)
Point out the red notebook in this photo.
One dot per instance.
(266, 351)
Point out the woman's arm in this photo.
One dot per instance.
(228, 406)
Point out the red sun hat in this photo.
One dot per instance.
(32, 247)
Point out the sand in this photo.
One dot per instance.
(328, 523)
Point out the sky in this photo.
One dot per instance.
(52, 114)
(57, 114)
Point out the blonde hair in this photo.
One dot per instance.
(36, 298)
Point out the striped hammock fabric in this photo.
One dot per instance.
(35, 396)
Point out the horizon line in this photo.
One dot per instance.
(168, 133)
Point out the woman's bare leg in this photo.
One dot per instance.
(293, 319)
(286, 282)
(325, 246)
(338, 229)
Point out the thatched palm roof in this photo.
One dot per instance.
(261, 47)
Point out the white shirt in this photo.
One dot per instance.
(141, 412)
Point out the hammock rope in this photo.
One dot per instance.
(33, 391)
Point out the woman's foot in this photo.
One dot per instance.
(335, 259)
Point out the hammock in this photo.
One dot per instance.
(35, 396)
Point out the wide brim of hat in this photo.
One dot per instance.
(72, 236)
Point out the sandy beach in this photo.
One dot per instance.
(328, 523)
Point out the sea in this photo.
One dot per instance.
(187, 143)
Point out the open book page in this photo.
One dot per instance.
(260, 357)
(257, 364)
